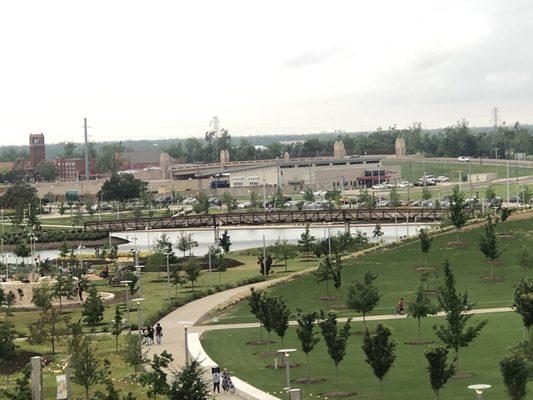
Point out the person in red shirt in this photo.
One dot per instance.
(401, 306)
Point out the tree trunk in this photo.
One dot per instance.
(364, 319)
(286, 269)
(86, 392)
(268, 341)
(307, 365)
(116, 344)
(336, 376)
(457, 234)
(426, 260)
(492, 269)
(381, 389)
(419, 335)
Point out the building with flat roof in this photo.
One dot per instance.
(37, 151)
(72, 169)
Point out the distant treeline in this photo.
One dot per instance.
(452, 141)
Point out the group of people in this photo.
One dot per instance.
(224, 378)
(148, 333)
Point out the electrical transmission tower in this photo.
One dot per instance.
(495, 117)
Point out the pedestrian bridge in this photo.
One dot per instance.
(339, 216)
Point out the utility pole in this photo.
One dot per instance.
(495, 152)
(508, 183)
(87, 171)
(495, 118)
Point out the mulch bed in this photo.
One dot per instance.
(457, 244)
(505, 236)
(282, 365)
(307, 381)
(338, 394)
(21, 359)
(327, 298)
(463, 375)
(259, 342)
(425, 269)
(421, 342)
(494, 262)
(431, 292)
(266, 353)
(494, 278)
(338, 307)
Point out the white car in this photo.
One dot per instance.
(463, 159)
(442, 178)
(404, 184)
(320, 193)
(380, 186)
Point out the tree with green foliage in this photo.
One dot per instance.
(42, 297)
(107, 381)
(458, 209)
(47, 171)
(324, 272)
(93, 308)
(21, 389)
(490, 193)
(523, 302)
(83, 362)
(22, 250)
(306, 334)
(63, 287)
(201, 205)
(363, 295)
(281, 317)
(367, 198)
(225, 241)
(525, 260)
(333, 196)
(116, 326)
(516, 371)
(155, 377)
(378, 231)
(394, 198)
(21, 197)
(283, 251)
(50, 325)
(192, 273)
(336, 272)
(425, 244)
(254, 301)
(184, 243)
(255, 201)
(335, 338)
(132, 352)
(456, 333)
(439, 370)
(268, 315)
(189, 384)
(278, 199)
(526, 195)
(306, 242)
(122, 187)
(421, 307)
(488, 245)
(176, 279)
(380, 352)
(426, 193)
(7, 343)
(108, 158)
(229, 201)
(505, 213)
(308, 194)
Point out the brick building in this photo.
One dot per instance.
(37, 152)
(72, 169)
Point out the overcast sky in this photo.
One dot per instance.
(158, 69)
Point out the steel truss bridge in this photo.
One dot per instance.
(340, 216)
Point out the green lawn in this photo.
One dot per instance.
(398, 278)
(451, 169)
(408, 379)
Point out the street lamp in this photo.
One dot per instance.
(286, 353)
(186, 344)
(80, 253)
(127, 285)
(2, 245)
(479, 389)
(138, 274)
(138, 301)
(168, 254)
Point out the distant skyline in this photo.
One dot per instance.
(153, 70)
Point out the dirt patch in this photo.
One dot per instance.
(463, 375)
(454, 244)
(425, 269)
(494, 262)
(431, 292)
(282, 365)
(338, 394)
(339, 307)
(421, 342)
(494, 278)
(307, 381)
(266, 353)
(505, 236)
(259, 342)
(327, 298)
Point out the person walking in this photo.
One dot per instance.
(216, 380)
(150, 335)
(227, 384)
(158, 333)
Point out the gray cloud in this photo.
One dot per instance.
(311, 57)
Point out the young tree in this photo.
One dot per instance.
(306, 334)
(324, 272)
(189, 384)
(394, 198)
(7, 343)
(516, 371)
(306, 242)
(456, 333)
(335, 338)
(83, 363)
(21, 390)
(63, 288)
(49, 326)
(268, 315)
(363, 296)
(163, 244)
(229, 201)
(93, 308)
(336, 273)
(107, 381)
(488, 246)
(426, 193)
(254, 301)
(183, 244)
(525, 260)
(192, 273)
(201, 205)
(116, 328)
(378, 231)
(380, 352)
(156, 377)
(308, 194)
(283, 251)
(176, 279)
(255, 201)
(523, 302)
(439, 370)
(132, 352)
(42, 298)
(425, 244)
(420, 307)
(225, 241)
(281, 317)
(505, 213)
(457, 210)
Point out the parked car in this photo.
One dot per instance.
(380, 186)
(189, 200)
(463, 158)
(442, 178)
(426, 203)
(244, 204)
(415, 203)
(320, 193)
(404, 184)
(514, 199)
(383, 203)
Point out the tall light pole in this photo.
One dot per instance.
(140, 322)
(127, 285)
(210, 263)
(186, 338)
(286, 353)
(168, 275)
(2, 245)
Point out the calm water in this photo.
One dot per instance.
(241, 238)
